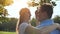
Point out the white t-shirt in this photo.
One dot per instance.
(23, 27)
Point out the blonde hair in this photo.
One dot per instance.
(22, 13)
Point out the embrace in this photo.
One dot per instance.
(43, 16)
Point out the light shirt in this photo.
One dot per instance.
(23, 27)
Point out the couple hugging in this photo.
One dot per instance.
(43, 16)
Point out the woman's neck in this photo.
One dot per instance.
(26, 21)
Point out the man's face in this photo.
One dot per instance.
(39, 14)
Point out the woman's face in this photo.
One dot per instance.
(28, 15)
(25, 14)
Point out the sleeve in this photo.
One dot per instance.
(22, 28)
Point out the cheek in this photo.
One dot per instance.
(29, 16)
(37, 17)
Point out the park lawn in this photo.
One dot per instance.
(1, 32)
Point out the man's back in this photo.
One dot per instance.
(48, 23)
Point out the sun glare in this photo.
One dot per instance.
(13, 10)
(22, 3)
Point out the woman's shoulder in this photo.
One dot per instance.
(24, 24)
(23, 27)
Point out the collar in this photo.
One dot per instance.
(46, 22)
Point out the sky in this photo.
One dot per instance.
(13, 10)
(56, 9)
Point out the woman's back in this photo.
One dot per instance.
(22, 28)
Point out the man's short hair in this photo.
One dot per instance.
(47, 8)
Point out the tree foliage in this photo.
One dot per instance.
(40, 2)
(8, 25)
(33, 22)
(3, 11)
(3, 3)
(57, 19)
(6, 2)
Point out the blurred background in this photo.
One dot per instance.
(9, 13)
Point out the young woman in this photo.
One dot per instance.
(23, 26)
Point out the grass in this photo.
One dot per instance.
(2, 32)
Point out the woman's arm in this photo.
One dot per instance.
(45, 30)
(58, 27)
(48, 29)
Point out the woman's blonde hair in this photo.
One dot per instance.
(22, 13)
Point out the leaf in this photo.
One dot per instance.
(6, 2)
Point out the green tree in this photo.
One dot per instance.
(4, 3)
(57, 19)
(3, 11)
(3, 14)
(9, 25)
(33, 22)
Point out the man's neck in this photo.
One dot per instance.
(44, 19)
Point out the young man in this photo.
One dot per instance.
(43, 15)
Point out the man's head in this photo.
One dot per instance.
(43, 12)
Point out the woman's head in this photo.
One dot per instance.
(25, 14)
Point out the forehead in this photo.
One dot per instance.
(39, 9)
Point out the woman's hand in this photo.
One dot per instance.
(58, 26)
